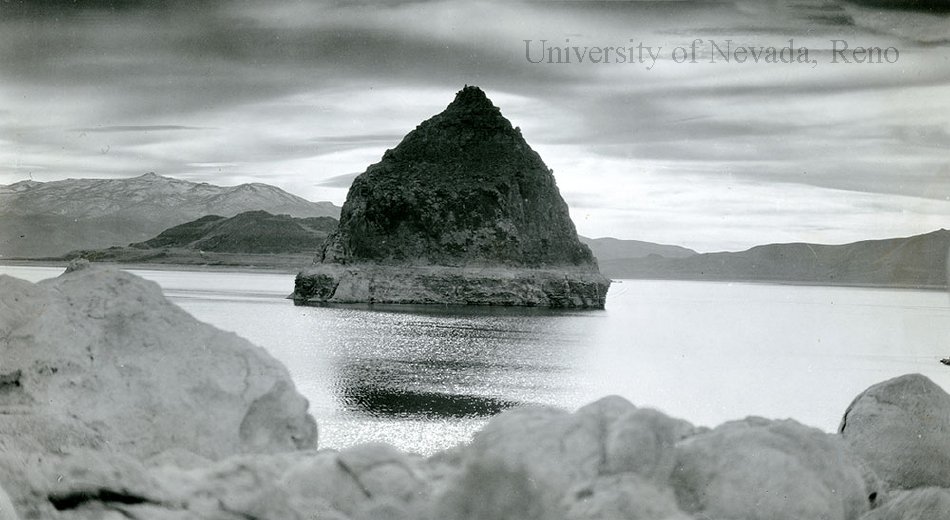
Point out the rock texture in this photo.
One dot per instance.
(439, 284)
(762, 469)
(6, 507)
(99, 358)
(902, 428)
(607, 460)
(365, 482)
(918, 504)
(462, 191)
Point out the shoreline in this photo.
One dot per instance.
(162, 266)
(294, 270)
(797, 283)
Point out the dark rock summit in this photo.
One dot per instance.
(461, 197)
(463, 188)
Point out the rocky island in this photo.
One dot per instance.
(462, 211)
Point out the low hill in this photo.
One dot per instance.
(44, 219)
(607, 249)
(252, 238)
(254, 232)
(916, 261)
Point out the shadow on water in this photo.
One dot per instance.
(379, 401)
(393, 389)
(464, 311)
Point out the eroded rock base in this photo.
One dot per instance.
(332, 283)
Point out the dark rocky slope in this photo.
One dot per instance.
(461, 211)
(254, 232)
(252, 238)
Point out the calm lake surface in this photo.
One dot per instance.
(426, 377)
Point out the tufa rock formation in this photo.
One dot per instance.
(761, 469)
(461, 211)
(902, 427)
(463, 188)
(98, 358)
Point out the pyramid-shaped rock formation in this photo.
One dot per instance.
(461, 211)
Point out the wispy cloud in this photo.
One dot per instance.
(137, 128)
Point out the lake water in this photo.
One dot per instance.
(426, 377)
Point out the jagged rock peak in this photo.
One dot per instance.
(472, 99)
(470, 125)
(472, 95)
(463, 188)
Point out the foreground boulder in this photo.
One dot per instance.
(761, 469)
(901, 427)
(461, 211)
(99, 359)
(6, 507)
(608, 460)
(361, 483)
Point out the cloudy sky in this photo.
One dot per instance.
(708, 153)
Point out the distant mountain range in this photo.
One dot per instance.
(49, 219)
(158, 219)
(917, 261)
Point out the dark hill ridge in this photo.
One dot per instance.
(461, 211)
(251, 239)
(916, 261)
(463, 188)
(254, 232)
